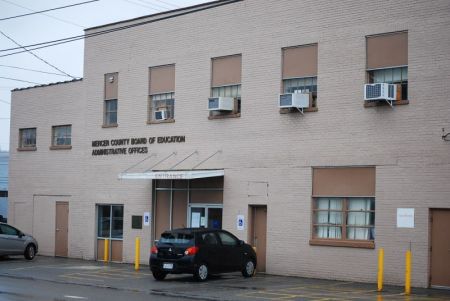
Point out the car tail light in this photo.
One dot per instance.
(191, 251)
(154, 250)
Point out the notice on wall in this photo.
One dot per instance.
(240, 222)
(146, 219)
(195, 220)
(405, 217)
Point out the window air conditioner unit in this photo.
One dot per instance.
(160, 115)
(380, 91)
(221, 104)
(298, 100)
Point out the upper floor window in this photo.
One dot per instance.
(161, 101)
(226, 82)
(299, 73)
(387, 61)
(27, 139)
(62, 136)
(110, 100)
(343, 207)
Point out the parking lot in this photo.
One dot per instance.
(123, 280)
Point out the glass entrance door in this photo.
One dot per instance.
(205, 216)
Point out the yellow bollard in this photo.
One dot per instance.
(408, 273)
(106, 251)
(380, 269)
(137, 253)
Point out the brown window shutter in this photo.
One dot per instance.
(162, 79)
(226, 70)
(344, 181)
(111, 85)
(387, 50)
(300, 61)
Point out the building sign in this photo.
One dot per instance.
(240, 223)
(405, 217)
(131, 146)
(146, 219)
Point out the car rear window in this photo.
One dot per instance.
(177, 238)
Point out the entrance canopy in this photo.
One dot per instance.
(173, 174)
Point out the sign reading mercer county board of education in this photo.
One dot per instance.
(130, 146)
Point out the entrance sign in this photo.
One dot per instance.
(146, 219)
(240, 222)
(405, 217)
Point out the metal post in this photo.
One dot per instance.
(106, 251)
(137, 253)
(380, 269)
(408, 273)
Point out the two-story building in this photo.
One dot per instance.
(314, 130)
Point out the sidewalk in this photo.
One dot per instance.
(223, 287)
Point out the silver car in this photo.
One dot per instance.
(15, 242)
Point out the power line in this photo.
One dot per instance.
(20, 80)
(106, 31)
(139, 4)
(171, 4)
(33, 70)
(50, 16)
(154, 4)
(4, 101)
(43, 11)
(36, 56)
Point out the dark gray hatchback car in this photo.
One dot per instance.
(201, 252)
(15, 242)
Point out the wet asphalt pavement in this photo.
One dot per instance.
(59, 279)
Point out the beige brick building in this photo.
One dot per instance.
(319, 191)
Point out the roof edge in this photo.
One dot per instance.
(47, 85)
(206, 4)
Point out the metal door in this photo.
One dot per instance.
(61, 229)
(440, 248)
(258, 233)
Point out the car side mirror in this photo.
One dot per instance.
(241, 242)
(21, 235)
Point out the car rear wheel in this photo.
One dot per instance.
(30, 252)
(202, 272)
(249, 268)
(159, 275)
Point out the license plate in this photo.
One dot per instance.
(168, 266)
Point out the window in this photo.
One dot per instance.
(343, 210)
(110, 100)
(209, 239)
(227, 239)
(62, 136)
(344, 218)
(27, 139)
(8, 230)
(110, 221)
(162, 94)
(387, 62)
(226, 82)
(300, 72)
(110, 112)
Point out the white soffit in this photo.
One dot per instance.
(172, 175)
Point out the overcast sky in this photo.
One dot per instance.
(56, 25)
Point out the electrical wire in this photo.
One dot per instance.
(141, 5)
(164, 2)
(46, 10)
(106, 31)
(4, 101)
(47, 15)
(33, 70)
(20, 80)
(36, 56)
